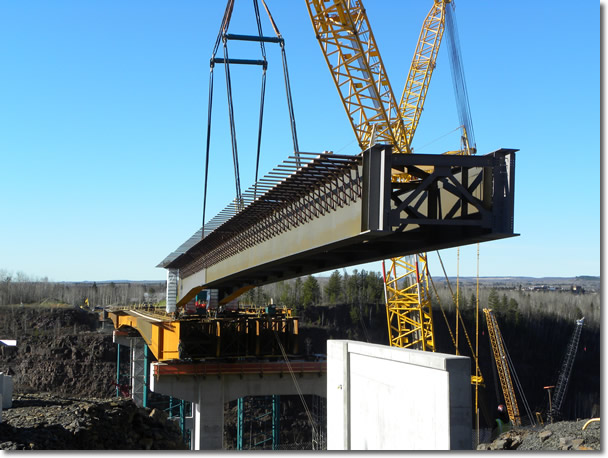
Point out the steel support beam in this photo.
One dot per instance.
(338, 211)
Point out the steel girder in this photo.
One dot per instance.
(335, 212)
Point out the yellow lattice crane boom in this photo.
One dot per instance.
(349, 47)
(421, 69)
(502, 367)
(350, 50)
(408, 309)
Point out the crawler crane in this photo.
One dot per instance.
(502, 367)
(506, 373)
(563, 378)
(349, 47)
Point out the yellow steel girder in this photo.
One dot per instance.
(161, 336)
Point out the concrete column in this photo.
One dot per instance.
(209, 416)
(172, 279)
(117, 369)
(6, 389)
(137, 371)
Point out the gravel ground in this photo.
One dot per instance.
(44, 421)
(563, 435)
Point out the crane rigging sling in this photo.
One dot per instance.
(224, 37)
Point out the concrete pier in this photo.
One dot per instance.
(210, 385)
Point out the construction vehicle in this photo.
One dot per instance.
(502, 367)
(561, 386)
(376, 116)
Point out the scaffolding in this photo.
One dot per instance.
(319, 416)
(261, 416)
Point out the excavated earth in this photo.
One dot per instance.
(59, 350)
(45, 421)
(63, 370)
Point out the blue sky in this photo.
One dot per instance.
(104, 111)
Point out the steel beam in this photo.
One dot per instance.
(336, 211)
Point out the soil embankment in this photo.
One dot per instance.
(63, 371)
(43, 421)
(59, 350)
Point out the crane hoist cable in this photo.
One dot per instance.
(478, 379)
(235, 154)
(292, 117)
(459, 81)
(262, 95)
(520, 389)
(223, 38)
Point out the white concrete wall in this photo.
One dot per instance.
(387, 398)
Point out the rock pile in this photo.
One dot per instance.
(563, 435)
(44, 421)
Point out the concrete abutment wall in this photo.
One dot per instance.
(387, 398)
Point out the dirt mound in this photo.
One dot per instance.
(58, 350)
(49, 422)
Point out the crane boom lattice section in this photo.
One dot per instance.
(344, 34)
(408, 311)
(349, 47)
(421, 69)
(566, 370)
(502, 366)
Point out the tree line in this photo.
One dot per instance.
(356, 288)
(19, 288)
(520, 304)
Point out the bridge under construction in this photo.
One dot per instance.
(317, 212)
(327, 212)
(330, 212)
